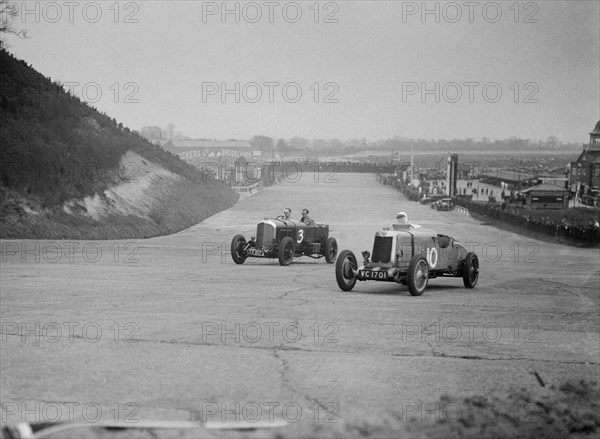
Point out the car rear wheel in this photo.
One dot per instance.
(238, 254)
(331, 249)
(470, 270)
(285, 253)
(344, 270)
(418, 275)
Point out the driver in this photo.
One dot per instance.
(287, 213)
(402, 218)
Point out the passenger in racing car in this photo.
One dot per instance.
(306, 219)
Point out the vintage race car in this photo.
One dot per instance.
(431, 199)
(409, 256)
(443, 204)
(283, 239)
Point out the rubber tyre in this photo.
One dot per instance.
(331, 249)
(346, 262)
(237, 243)
(285, 251)
(418, 275)
(470, 270)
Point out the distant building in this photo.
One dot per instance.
(209, 150)
(546, 196)
(218, 157)
(246, 171)
(451, 174)
(553, 179)
(584, 174)
(518, 178)
(465, 171)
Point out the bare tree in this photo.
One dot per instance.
(8, 13)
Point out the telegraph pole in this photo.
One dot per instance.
(412, 163)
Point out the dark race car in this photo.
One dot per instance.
(409, 256)
(285, 239)
(444, 204)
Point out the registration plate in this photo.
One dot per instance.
(370, 274)
(256, 252)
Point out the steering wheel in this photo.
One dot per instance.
(280, 217)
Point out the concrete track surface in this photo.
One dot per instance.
(170, 328)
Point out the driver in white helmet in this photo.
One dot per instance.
(402, 218)
(402, 222)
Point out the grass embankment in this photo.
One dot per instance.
(57, 151)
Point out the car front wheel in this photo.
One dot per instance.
(344, 270)
(331, 249)
(238, 254)
(470, 270)
(285, 253)
(418, 275)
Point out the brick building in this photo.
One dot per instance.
(584, 174)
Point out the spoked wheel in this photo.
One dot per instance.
(331, 249)
(344, 270)
(418, 275)
(471, 270)
(238, 254)
(285, 253)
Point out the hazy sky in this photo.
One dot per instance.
(345, 69)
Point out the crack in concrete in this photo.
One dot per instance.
(285, 381)
(283, 296)
(296, 280)
(477, 357)
(433, 354)
(565, 287)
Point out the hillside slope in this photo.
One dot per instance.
(68, 171)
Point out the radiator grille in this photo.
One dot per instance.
(265, 234)
(382, 249)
